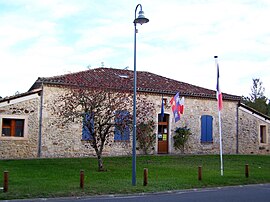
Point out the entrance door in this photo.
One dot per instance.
(163, 134)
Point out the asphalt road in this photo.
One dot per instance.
(248, 193)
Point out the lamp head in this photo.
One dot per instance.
(141, 19)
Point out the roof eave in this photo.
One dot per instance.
(254, 111)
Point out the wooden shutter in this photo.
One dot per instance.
(203, 129)
(88, 123)
(119, 118)
(206, 128)
(209, 128)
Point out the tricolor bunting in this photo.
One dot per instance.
(177, 106)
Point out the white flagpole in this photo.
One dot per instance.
(220, 144)
(219, 120)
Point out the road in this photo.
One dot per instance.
(248, 193)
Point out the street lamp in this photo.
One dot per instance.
(141, 20)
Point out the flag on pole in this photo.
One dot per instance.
(219, 98)
(219, 94)
(175, 103)
(162, 107)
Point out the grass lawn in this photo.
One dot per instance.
(37, 178)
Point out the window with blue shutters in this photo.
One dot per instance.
(88, 126)
(121, 131)
(206, 128)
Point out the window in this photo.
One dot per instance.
(263, 134)
(121, 131)
(88, 126)
(206, 128)
(13, 126)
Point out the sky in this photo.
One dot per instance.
(47, 38)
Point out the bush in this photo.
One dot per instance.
(181, 137)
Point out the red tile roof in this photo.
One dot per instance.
(122, 80)
(13, 97)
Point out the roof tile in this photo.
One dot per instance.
(122, 80)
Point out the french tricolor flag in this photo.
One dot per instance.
(219, 94)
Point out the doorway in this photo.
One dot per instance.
(163, 134)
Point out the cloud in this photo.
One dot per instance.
(47, 38)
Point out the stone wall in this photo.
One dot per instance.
(249, 133)
(26, 147)
(64, 140)
(60, 140)
(194, 109)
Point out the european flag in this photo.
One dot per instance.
(162, 108)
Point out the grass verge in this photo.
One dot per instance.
(37, 178)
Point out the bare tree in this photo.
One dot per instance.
(99, 110)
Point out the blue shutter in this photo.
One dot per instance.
(121, 116)
(209, 124)
(87, 132)
(126, 134)
(117, 132)
(203, 128)
(206, 128)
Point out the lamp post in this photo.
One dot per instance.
(141, 20)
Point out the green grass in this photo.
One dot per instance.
(60, 177)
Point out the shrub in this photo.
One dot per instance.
(181, 137)
(145, 136)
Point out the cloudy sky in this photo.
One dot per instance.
(42, 38)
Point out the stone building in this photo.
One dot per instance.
(30, 128)
(253, 131)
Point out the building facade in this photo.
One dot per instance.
(31, 128)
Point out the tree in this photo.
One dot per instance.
(257, 100)
(268, 108)
(257, 90)
(100, 111)
(97, 109)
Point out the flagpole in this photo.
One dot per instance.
(219, 120)
(162, 108)
(220, 144)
